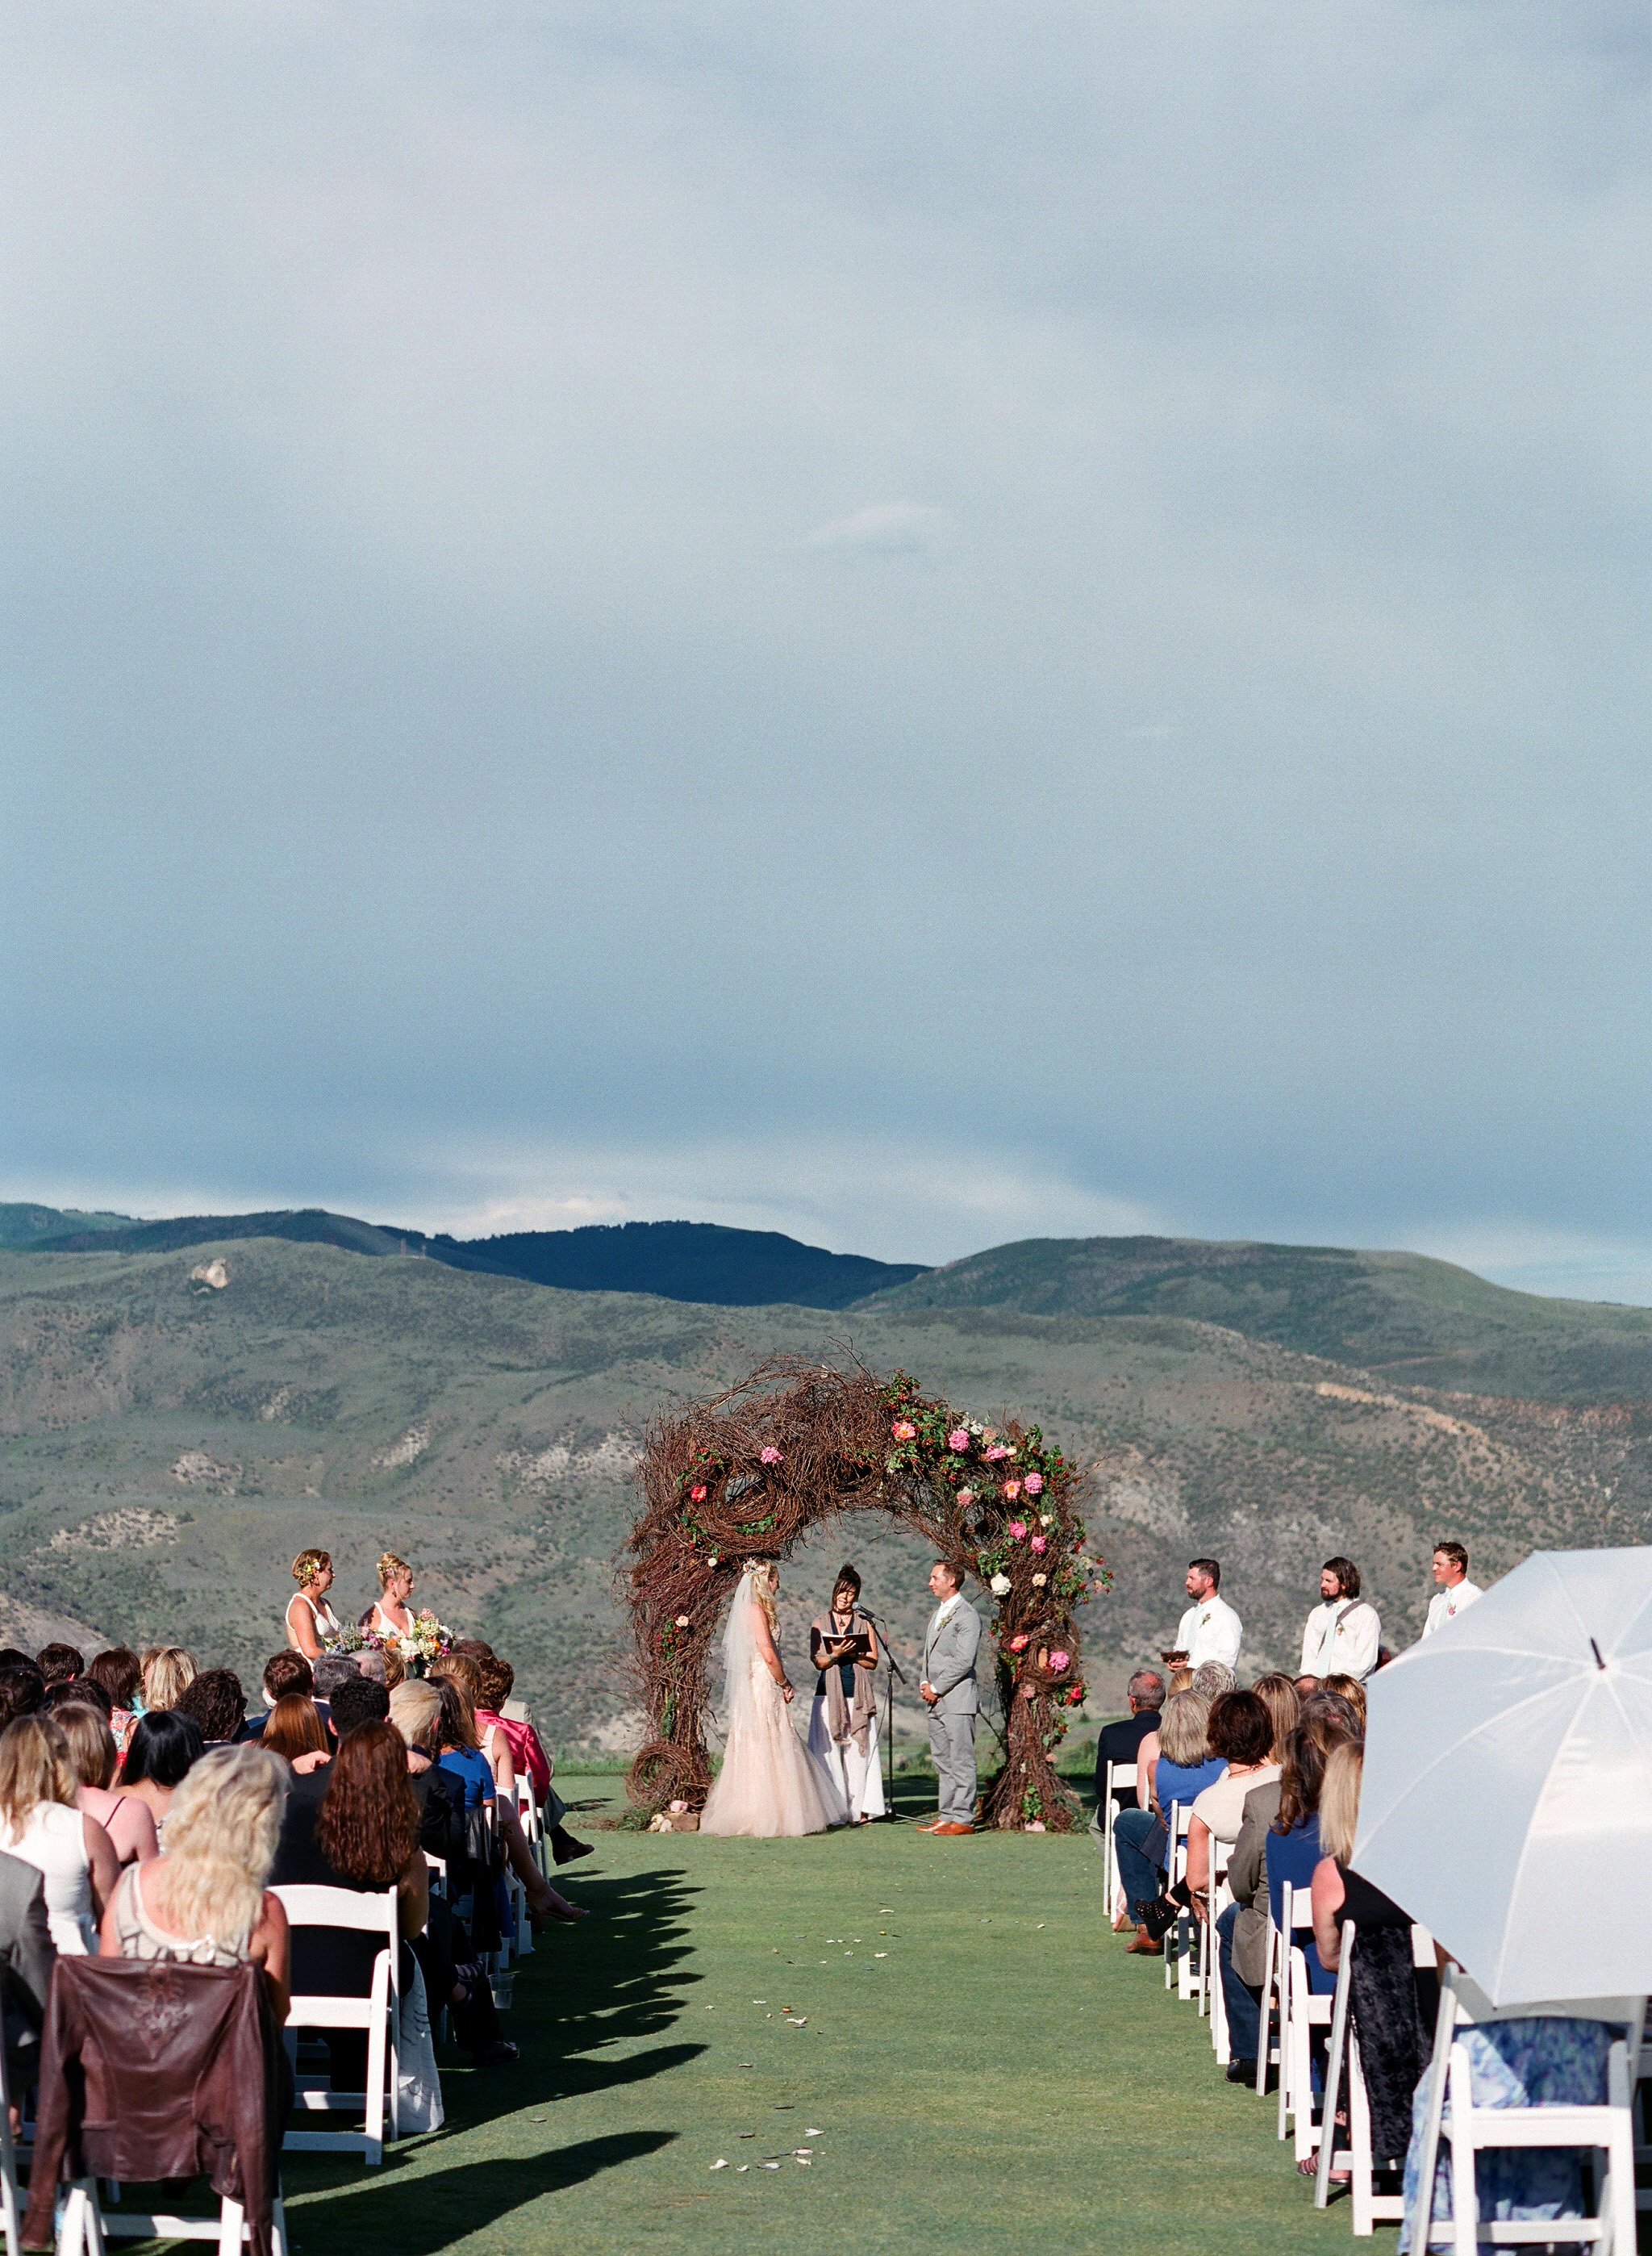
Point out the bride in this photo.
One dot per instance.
(770, 1782)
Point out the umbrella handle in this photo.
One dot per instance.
(1422, 2217)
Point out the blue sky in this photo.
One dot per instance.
(915, 624)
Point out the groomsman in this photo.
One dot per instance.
(950, 1645)
(1343, 1635)
(1455, 1591)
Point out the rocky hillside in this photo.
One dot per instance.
(174, 1425)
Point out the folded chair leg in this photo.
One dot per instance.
(231, 2217)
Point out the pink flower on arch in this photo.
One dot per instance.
(772, 1457)
(1018, 1644)
(1012, 1490)
(1018, 1529)
(996, 1451)
(966, 1495)
(697, 1496)
(958, 1439)
(1060, 1662)
(1041, 1543)
(904, 1430)
(1033, 1483)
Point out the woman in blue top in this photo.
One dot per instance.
(1174, 1764)
(1293, 1839)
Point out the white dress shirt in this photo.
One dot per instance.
(1341, 1639)
(1446, 1604)
(1210, 1630)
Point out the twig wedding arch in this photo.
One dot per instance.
(743, 1476)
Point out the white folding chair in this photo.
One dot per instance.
(1178, 1943)
(1305, 2010)
(10, 2208)
(1119, 1777)
(378, 2015)
(1343, 2070)
(85, 2224)
(1270, 2032)
(1607, 2127)
(1219, 1898)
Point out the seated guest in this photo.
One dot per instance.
(294, 1730)
(41, 1822)
(60, 1664)
(1179, 1769)
(366, 1837)
(1120, 1743)
(75, 1692)
(285, 1675)
(1212, 1678)
(22, 1689)
(204, 1901)
(121, 1676)
(357, 1701)
(126, 1818)
(1389, 2002)
(513, 1748)
(1350, 1689)
(459, 1754)
(167, 1668)
(163, 1749)
(216, 1701)
(1283, 1702)
(1262, 1861)
(331, 1670)
(1241, 1731)
(27, 1955)
(1181, 1679)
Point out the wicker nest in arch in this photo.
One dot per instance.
(745, 1474)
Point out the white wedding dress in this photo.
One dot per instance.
(769, 1783)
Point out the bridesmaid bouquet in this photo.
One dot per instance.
(428, 1641)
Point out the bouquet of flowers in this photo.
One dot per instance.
(429, 1641)
(347, 1638)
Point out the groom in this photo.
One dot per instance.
(950, 1645)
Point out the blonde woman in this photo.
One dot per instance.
(769, 1784)
(167, 1669)
(312, 1623)
(390, 1615)
(41, 1822)
(204, 1901)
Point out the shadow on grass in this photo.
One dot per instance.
(584, 2003)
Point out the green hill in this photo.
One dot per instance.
(167, 1445)
(703, 1261)
(1423, 1322)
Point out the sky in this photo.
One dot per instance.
(919, 625)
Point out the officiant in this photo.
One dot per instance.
(843, 1722)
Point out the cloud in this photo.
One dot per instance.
(432, 727)
(901, 528)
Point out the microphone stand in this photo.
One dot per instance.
(894, 1670)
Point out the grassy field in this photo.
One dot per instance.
(977, 2066)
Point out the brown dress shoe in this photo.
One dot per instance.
(1144, 1946)
(950, 1826)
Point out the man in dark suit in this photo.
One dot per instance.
(1118, 1743)
(27, 1955)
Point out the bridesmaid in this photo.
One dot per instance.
(390, 1615)
(312, 1623)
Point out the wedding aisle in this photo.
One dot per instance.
(969, 2059)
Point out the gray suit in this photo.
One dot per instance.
(27, 1955)
(949, 1648)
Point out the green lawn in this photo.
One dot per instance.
(1000, 2075)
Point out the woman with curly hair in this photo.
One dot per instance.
(203, 1902)
(41, 1821)
(312, 1623)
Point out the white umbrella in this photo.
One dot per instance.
(1507, 1802)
